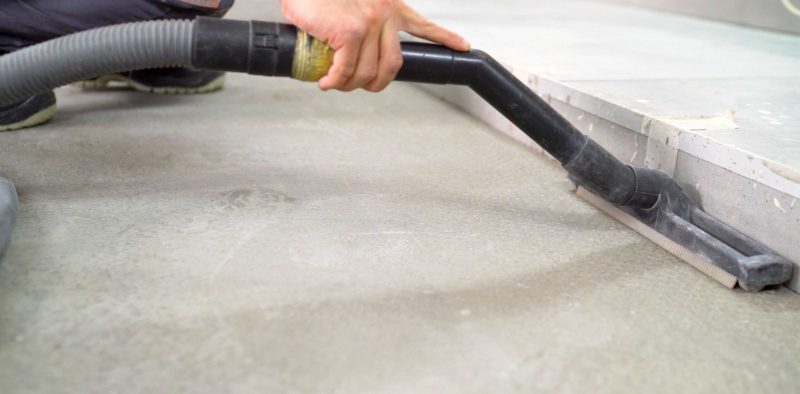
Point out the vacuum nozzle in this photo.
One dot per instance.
(276, 49)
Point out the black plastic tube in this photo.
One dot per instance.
(591, 165)
(498, 87)
(253, 47)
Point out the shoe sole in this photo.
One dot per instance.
(33, 120)
(102, 83)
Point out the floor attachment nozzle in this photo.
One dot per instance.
(681, 227)
(650, 200)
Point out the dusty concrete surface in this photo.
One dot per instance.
(271, 238)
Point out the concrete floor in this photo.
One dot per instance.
(272, 238)
(712, 104)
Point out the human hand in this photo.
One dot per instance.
(363, 35)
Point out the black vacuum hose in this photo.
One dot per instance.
(274, 49)
(80, 56)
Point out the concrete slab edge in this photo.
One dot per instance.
(666, 147)
(667, 129)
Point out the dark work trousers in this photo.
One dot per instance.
(28, 22)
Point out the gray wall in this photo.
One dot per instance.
(771, 14)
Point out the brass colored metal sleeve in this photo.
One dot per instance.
(312, 58)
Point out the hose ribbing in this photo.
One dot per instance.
(91, 53)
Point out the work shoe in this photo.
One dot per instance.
(162, 81)
(29, 112)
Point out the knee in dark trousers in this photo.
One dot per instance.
(28, 22)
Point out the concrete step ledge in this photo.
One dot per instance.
(757, 196)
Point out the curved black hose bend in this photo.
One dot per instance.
(275, 49)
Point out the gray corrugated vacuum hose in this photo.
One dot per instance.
(81, 56)
(92, 53)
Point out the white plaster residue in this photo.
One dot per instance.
(791, 7)
(786, 172)
(662, 145)
(747, 164)
(723, 121)
(778, 204)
